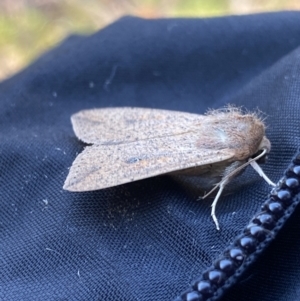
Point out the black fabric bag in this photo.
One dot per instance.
(151, 239)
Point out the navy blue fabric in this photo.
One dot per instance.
(147, 240)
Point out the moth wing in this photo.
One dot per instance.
(119, 125)
(102, 166)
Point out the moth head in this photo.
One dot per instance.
(242, 132)
(264, 147)
(249, 133)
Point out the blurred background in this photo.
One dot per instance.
(30, 27)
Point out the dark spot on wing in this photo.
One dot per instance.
(130, 121)
(133, 160)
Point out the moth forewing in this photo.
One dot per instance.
(103, 166)
(131, 144)
(124, 125)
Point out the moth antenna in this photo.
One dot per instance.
(259, 170)
(255, 166)
(249, 162)
(226, 179)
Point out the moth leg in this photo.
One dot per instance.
(258, 169)
(230, 172)
(221, 185)
(211, 191)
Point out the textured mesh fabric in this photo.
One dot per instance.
(147, 240)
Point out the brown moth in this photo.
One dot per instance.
(130, 144)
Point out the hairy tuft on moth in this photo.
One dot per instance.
(130, 144)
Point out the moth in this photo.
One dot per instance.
(129, 144)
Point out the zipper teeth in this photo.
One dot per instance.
(261, 230)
